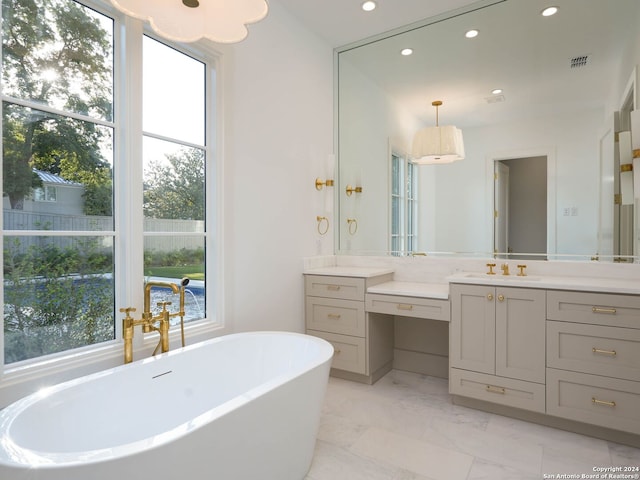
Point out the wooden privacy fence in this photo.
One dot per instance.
(173, 234)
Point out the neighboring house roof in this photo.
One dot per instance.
(47, 177)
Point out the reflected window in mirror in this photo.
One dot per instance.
(404, 205)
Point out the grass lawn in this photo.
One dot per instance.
(194, 272)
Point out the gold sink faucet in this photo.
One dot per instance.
(505, 269)
(148, 320)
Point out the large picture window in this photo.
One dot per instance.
(68, 133)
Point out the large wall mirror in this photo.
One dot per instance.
(541, 173)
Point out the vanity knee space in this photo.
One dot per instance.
(359, 314)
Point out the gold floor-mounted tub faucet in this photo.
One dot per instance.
(148, 321)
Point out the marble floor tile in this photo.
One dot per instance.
(522, 456)
(486, 470)
(331, 462)
(339, 430)
(624, 456)
(413, 455)
(405, 427)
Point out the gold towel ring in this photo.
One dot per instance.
(320, 220)
(353, 226)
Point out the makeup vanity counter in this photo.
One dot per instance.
(353, 308)
(409, 299)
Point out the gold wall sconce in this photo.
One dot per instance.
(626, 168)
(353, 225)
(323, 224)
(351, 190)
(320, 184)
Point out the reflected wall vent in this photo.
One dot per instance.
(495, 99)
(580, 61)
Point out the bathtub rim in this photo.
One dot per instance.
(16, 456)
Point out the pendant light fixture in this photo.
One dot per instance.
(222, 21)
(437, 145)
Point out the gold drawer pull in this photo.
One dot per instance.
(595, 401)
(333, 288)
(610, 311)
(404, 306)
(334, 316)
(492, 389)
(611, 353)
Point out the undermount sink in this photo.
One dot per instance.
(499, 277)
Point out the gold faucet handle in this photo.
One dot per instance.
(127, 311)
(164, 305)
(522, 273)
(491, 267)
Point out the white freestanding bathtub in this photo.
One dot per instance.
(243, 406)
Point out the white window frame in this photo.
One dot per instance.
(24, 377)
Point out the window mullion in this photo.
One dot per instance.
(128, 169)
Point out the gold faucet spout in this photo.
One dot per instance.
(146, 314)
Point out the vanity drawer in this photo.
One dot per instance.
(347, 288)
(337, 316)
(432, 308)
(350, 353)
(594, 308)
(607, 402)
(504, 391)
(609, 351)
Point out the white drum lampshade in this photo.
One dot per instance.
(437, 145)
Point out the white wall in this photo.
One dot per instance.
(278, 134)
(371, 124)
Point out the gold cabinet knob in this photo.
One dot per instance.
(501, 298)
(489, 296)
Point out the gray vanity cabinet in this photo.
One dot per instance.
(362, 341)
(497, 345)
(593, 359)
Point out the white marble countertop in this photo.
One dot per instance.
(362, 272)
(551, 282)
(412, 289)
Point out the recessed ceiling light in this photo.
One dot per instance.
(496, 91)
(471, 33)
(547, 12)
(369, 6)
(406, 51)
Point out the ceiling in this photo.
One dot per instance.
(341, 22)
